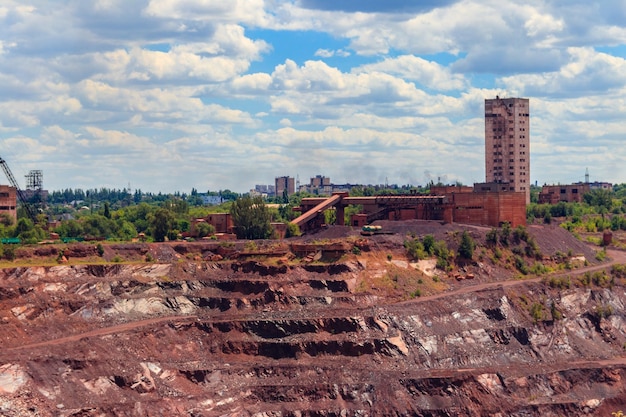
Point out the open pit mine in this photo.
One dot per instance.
(334, 324)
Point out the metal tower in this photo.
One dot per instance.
(34, 185)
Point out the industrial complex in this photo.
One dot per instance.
(501, 198)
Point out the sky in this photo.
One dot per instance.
(170, 95)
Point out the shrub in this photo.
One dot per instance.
(518, 250)
(466, 248)
(554, 312)
(442, 264)
(619, 270)
(532, 249)
(520, 234)
(536, 312)
(599, 278)
(441, 251)
(9, 253)
(505, 234)
(293, 230)
(520, 264)
(116, 259)
(559, 282)
(602, 311)
(538, 269)
(492, 237)
(415, 249)
(100, 249)
(429, 244)
(204, 229)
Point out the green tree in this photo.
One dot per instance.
(161, 224)
(415, 249)
(96, 225)
(286, 213)
(505, 234)
(292, 230)
(23, 225)
(177, 206)
(492, 237)
(126, 230)
(251, 218)
(429, 244)
(599, 198)
(70, 228)
(466, 248)
(6, 219)
(204, 229)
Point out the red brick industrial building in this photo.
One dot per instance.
(8, 201)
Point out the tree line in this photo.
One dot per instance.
(118, 215)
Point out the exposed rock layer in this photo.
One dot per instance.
(245, 338)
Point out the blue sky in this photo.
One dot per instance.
(170, 95)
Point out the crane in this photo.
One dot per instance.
(29, 209)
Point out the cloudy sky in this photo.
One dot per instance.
(166, 95)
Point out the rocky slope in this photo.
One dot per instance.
(248, 337)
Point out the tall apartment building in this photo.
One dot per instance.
(507, 143)
(284, 183)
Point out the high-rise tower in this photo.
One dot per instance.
(284, 183)
(507, 143)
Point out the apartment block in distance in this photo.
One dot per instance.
(284, 183)
(507, 143)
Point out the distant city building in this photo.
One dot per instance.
(596, 185)
(319, 185)
(211, 200)
(507, 143)
(320, 181)
(255, 193)
(284, 183)
(268, 189)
